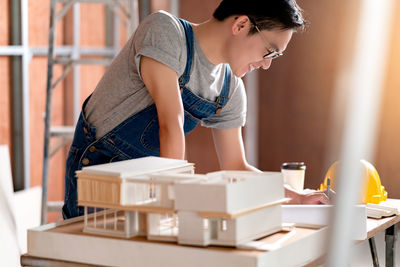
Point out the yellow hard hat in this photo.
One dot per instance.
(372, 190)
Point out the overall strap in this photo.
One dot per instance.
(223, 97)
(184, 79)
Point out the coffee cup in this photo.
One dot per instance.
(293, 174)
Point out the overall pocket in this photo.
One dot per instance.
(150, 138)
(71, 166)
(190, 122)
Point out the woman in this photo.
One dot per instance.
(172, 75)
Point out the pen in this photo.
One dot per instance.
(328, 187)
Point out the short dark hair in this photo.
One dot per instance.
(266, 14)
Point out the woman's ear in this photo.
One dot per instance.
(240, 24)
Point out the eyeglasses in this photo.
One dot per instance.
(271, 53)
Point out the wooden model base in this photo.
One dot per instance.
(66, 241)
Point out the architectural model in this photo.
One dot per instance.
(164, 200)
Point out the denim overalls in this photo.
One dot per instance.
(137, 136)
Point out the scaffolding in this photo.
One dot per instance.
(71, 57)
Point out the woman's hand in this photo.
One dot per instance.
(310, 197)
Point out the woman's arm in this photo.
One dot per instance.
(162, 83)
(231, 156)
(230, 150)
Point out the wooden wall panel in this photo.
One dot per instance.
(388, 145)
(93, 25)
(5, 97)
(5, 103)
(198, 11)
(296, 92)
(4, 22)
(38, 19)
(160, 5)
(37, 108)
(92, 34)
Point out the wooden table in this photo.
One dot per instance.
(374, 226)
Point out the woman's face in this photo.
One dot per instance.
(246, 52)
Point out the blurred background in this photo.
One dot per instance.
(296, 108)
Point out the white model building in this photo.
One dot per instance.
(229, 208)
(126, 195)
(163, 200)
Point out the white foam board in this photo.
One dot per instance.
(134, 167)
(217, 195)
(9, 247)
(321, 215)
(26, 207)
(5, 172)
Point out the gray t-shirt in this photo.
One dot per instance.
(122, 93)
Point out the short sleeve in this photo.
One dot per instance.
(233, 114)
(162, 38)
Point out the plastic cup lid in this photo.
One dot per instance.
(293, 166)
